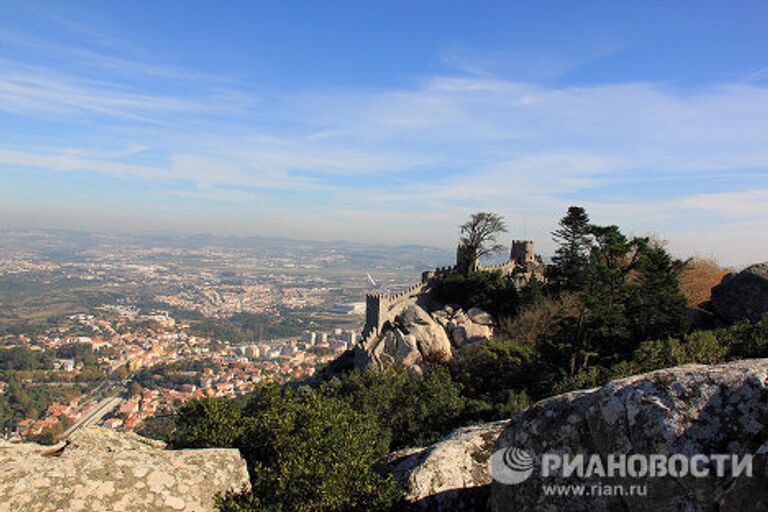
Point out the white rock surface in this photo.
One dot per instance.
(451, 474)
(692, 409)
(414, 337)
(104, 470)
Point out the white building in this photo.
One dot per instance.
(349, 308)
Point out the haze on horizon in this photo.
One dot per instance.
(388, 122)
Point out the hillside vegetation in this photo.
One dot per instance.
(612, 306)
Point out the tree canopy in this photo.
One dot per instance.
(572, 254)
(479, 238)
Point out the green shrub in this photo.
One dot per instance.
(703, 347)
(310, 452)
(490, 291)
(656, 354)
(745, 339)
(584, 378)
(411, 410)
(516, 401)
(207, 423)
(487, 371)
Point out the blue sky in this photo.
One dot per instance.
(388, 121)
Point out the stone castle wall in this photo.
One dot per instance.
(380, 307)
(522, 252)
(505, 268)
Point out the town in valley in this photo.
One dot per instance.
(112, 330)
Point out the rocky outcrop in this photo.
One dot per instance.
(742, 296)
(430, 340)
(102, 470)
(687, 410)
(465, 328)
(415, 337)
(450, 475)
(411, 339)
(749, 492)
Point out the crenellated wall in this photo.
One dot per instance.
(439, 271)
(522, 252)
(505, 268)
(380, 307)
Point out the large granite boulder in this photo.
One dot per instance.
(396, 347)
(748, 492)
(411, 339)
(464, 327)
(742, 296)
(450, 475)
(103, 470)
(431, 339)
(687, 410)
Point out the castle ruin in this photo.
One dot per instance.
(523, 266)
(522, 252)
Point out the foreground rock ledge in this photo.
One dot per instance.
(450, 475)
(691, 409)
(104, 470)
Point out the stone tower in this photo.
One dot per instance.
(464, 259)
(522, 252)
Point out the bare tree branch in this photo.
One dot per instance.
(479, 237)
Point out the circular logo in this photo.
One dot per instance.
(511, 466)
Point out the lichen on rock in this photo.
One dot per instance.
(688, 410)
(102, 470)
(450, 475)
(416, 335)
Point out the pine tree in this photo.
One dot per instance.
(604, 291)
(657, 307)
(572, 256)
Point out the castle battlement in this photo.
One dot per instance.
(522, 252)
(427, 275)
(505, 268)
(379, 307)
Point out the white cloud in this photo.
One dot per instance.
(438, 149)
